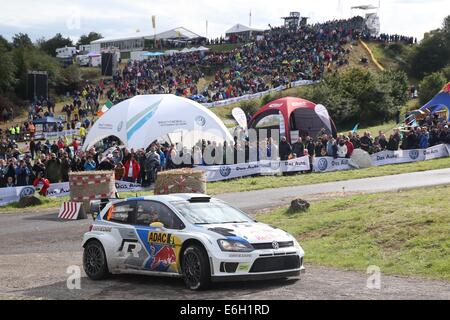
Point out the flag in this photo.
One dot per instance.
(154, 22)
(355, 128)
(105, 108)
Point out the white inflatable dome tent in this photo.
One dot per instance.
(142, 119)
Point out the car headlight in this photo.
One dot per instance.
(296, 244)
(234, 245)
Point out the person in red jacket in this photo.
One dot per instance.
(41, 184)
(350, 147)
(132, 169)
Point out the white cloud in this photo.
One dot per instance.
(120, 17)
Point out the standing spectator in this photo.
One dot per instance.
(90, 164)
(3, 170)
(32, 148)
(53, 169)
(152, 163)
(298, 148)
(22, 174)
(366, 142)
(285, 149)
(65, 167)
(119, 171)
(341, 149)
(132, 169)
(424, 137)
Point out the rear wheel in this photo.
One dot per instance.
(196, 269)
(94, 260)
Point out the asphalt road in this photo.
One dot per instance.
(37, 249)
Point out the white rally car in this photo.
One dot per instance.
(196, 237)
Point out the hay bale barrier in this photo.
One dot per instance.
(184, 180)
(91, 185)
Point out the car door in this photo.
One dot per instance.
(128, 252)
(162, 244)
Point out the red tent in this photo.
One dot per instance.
(303, 115)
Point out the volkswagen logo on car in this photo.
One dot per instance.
(275, 245)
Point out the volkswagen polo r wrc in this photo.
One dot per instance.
(196, 237)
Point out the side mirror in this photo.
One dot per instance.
(157, 225)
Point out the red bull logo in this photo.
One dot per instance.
(163, 251)
(164, 257)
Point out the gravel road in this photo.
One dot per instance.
(37, 249)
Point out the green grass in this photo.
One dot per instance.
(404, 233)
(267, 182)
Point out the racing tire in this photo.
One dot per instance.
(195, 268)
(94, 261)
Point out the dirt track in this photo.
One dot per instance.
(37, 249)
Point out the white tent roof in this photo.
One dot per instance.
(240, 28)
(142, 119)
(177, 33)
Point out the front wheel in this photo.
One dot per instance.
(195, 268)
(94, 261)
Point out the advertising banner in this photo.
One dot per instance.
(263, 167)
(328, 164)
(9, 195)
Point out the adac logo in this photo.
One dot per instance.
(414, 154)
(322, 164)
(120, 126)
(201, 121)
(159, 237)
(27, 191)
(225, 171)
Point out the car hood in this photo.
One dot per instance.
(251, 232)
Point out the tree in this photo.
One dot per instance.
(5, 43)
(433, 52)
(358, 95)
(430, 85)
(70, 78)
(87, 39)
(22, 40)
(58, 41)
(7, 70)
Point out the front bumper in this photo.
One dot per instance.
(256, 276)
(256, 265)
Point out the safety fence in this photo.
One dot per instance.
(263, 167)
(227, 102)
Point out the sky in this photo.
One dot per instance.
(45, 18)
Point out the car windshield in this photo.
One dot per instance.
(210, 212)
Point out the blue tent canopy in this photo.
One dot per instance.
(440, 101)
